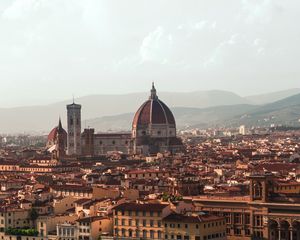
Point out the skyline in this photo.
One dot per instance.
(53, 49)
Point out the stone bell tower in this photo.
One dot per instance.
(74, 129)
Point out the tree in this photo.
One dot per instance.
(33, 214)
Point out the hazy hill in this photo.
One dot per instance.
(285, 111)
(185, 117)
(272, 97)
(115, 112)
(43, 118)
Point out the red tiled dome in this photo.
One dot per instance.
(153, 111)
(52, 135)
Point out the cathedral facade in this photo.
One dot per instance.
(153, 131)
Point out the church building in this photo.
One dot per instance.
(153, 131)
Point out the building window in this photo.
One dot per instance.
(237, 218)
(151, 223)
(227, 216)
(159, 234)
(257, 190)
(237, 231)
(247, 218)
(258, 221)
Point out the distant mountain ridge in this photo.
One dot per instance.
(194, 109)
(272, 97)
(43, 118)
(282, 112)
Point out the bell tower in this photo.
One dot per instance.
(261, 187)
(74, 129)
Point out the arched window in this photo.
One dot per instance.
(123, 232)
(137, 233)
(151, 234)
(159, 234)
(130, 232)
(257, 190)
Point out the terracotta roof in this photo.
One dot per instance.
(276, 167)
(52, 135)
(91, 219)
(155, 207)
(175, 217)
(153, 111)
(72, 188)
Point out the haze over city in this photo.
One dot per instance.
(149, 120)
(53, 49)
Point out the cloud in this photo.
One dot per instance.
(98, 45)
(157, 46)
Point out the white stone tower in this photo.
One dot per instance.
(74, 129)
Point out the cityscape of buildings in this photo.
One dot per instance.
(155, 182)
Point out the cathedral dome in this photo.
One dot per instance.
(154, 128)
(153, 111)
(53, 134)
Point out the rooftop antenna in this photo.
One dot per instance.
(73, 98)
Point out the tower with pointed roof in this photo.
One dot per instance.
(74, 129)
(60, 150)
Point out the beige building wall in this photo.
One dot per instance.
(99, 192)
(60, 206)
(46, 224)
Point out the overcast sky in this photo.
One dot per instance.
(51, 49)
